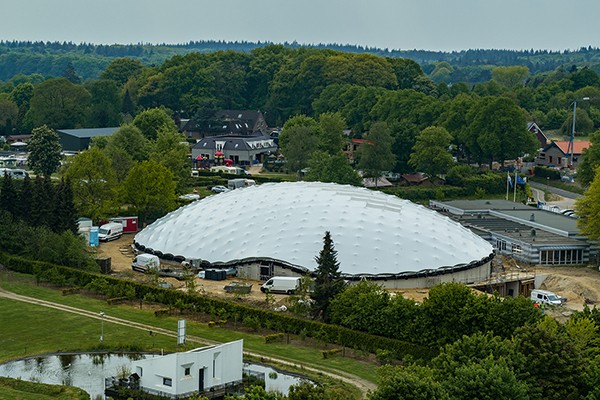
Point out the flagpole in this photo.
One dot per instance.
(507, 179)
(515, 192)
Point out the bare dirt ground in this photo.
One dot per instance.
(121, 253)
(579, 285)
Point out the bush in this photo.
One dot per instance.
(330, 353)
(277, 337)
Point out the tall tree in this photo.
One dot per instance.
(171, 150)
(407, 383)
(151, 121)
(105, 104)
(65, 212)
(375, 155)
(331, 136)
(499, 129)
(130, 138)
(121, 70)
(8, 195)
(9, 115)
(44, 151)
(510, 77)
(42, 205)
(24, 203)
(150, 189)
(70, 74)
(94, 183)
(591, 160)
(59, 104)
(431, 151)
(324, 167)
(328, 279)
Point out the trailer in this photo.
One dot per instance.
(130, 224)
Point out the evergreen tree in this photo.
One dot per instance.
(328, 279)
(65, 212)
(70, 74)
(44, 151)
(42, 206)
(25, 195)
(8, 194)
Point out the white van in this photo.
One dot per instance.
(281, 284)
(144, 262)
(110, 231)
(546, 297)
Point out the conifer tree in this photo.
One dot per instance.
(25, 194)
(65, 208)
(328, 279)
(8, 194)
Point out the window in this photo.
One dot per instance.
(187, 371)
(167, 382)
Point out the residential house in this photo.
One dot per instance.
(242, 150)
(539, 134)
(206, 369)
(227, 122)
(558, 154)
(79, 139)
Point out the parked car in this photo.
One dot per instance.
(219, 189)
(546, 297)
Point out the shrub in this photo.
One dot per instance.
(277, 337)
(330, 353)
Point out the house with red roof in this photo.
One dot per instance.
(558, 154)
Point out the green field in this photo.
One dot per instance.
(34, 329)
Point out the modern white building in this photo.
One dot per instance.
(208, 368)
(277, 229)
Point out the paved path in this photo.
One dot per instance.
(360, 383)
(555, 190)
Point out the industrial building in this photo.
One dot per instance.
(277, 229)
(526, 233)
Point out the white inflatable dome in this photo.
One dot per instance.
(373, 233)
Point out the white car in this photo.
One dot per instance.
(219, 189)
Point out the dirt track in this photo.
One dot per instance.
(579, 285)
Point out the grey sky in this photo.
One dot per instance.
(394, 24)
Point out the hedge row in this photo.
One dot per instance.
(544, 172)
(224, 309)
(426, 193)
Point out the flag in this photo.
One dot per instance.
(509, 180)
(520, 181)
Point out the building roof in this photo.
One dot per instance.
(373, 233)
(88, 132)
(578, 146)
(482, 205)
(236, 143)
(528, 216)
(516, 231)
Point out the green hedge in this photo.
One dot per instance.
(544, 172)
(222, 308)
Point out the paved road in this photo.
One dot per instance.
(360, 383)
(560, 192)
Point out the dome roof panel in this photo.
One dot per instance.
(371, 231)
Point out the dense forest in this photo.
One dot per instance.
(473, 66)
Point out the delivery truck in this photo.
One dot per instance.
(110, 231)
(281, 284)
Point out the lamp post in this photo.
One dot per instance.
(571, 147)
(102, 314)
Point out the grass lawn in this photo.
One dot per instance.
(16, 389)
(35, 329)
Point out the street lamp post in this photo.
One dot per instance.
(102, 314)
(571, 147)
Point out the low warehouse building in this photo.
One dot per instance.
(277, 229)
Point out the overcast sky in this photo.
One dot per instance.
(395, 24)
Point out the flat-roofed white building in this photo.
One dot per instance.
(203, 369)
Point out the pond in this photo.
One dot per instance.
(88, 371)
